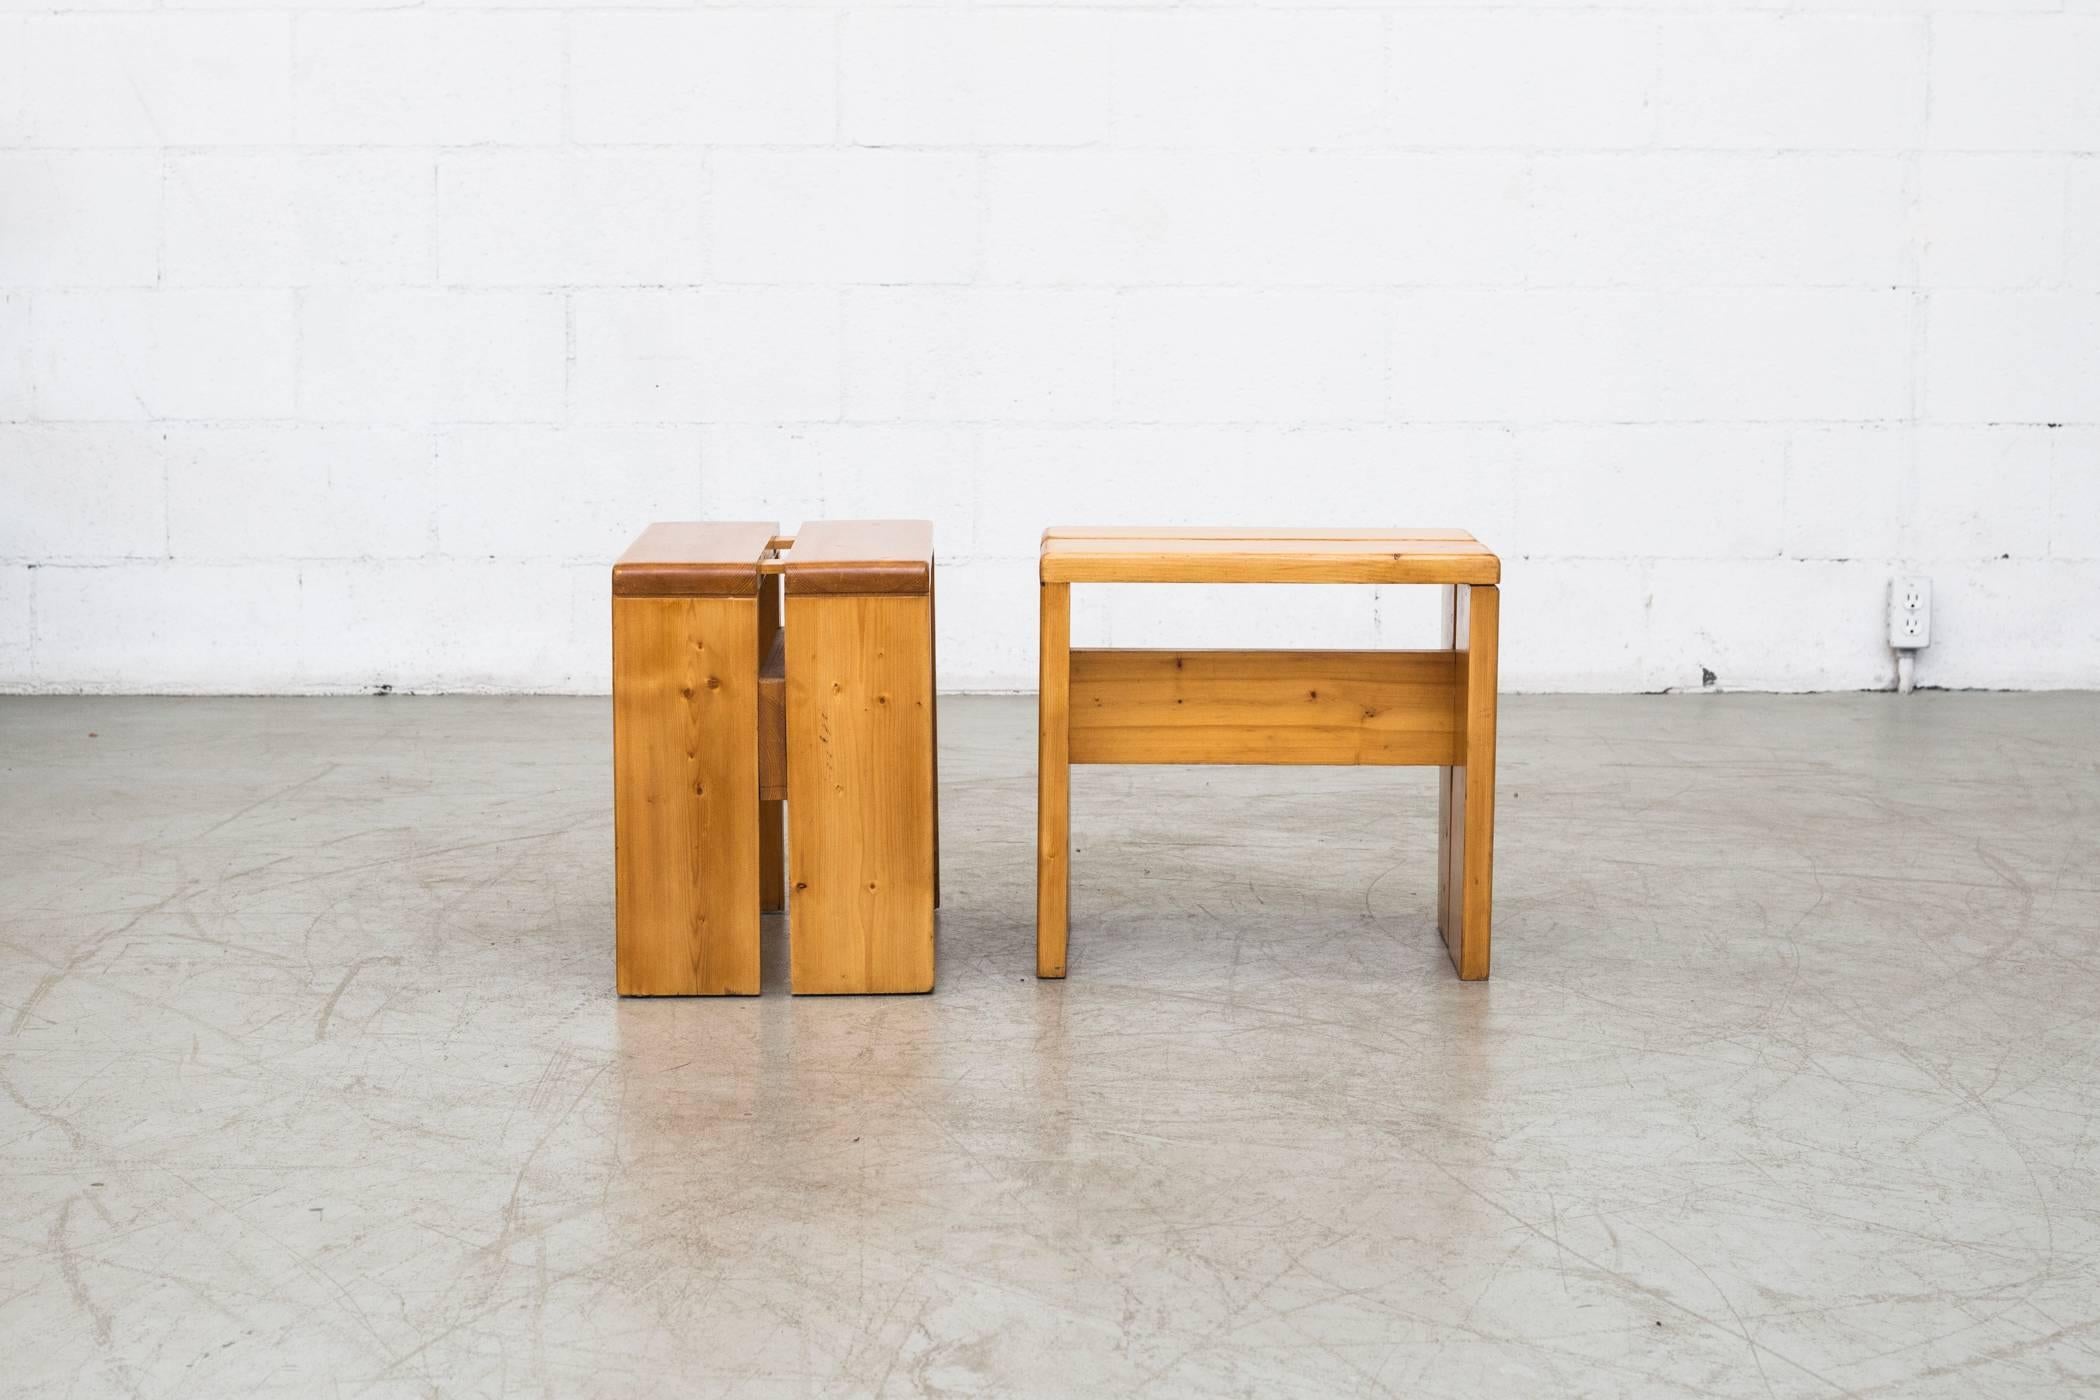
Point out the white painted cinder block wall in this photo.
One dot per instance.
(343, 345)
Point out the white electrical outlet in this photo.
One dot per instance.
(1910, 613)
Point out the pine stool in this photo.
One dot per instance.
(1315, 707)
(754, 671)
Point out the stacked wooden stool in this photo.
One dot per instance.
(753, 670)
(1434, 707)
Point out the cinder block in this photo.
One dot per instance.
(157, 79)
(1523, 78)
(162, 354)
(566, 494)
(1650, 491)
(17, 622)
(1462, 476)
(483, 625)
(1581, 625)
(2016, 82)
(744, 77)
(962, 78)
(168, 628)
(2014, 624)
(14, 114)
(1246, 79)
(2074, 493)
(974, 624)
(1817, 625)
(78, 218)
(535, 218)
(1640, 356)
(1980, 493)
(1241, 356)
(1282, 617)
(416, 77)
(1331, 219)
(1718, 218)
(1993, 220)
(1090, 474)
(298, 218)
(2082, 239)
(14, 355)
(263, 494)
(2018, 357)
(729, 354)
(978, 354)
(880, 471)
(844, 216)
(81, 492)
(1847, 490)
(1791, 81)
(426, 355)
(1118, 217)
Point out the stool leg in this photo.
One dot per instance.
(1053, 835)
(860, 793)
(685, 796)
(933, 690)
(1466, 794)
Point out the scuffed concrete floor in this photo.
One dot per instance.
(1788, 1082)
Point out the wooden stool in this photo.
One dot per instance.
(1318, 707)
(730, 700)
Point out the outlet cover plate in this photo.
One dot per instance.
(1910, 613)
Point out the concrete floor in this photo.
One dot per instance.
(1788, 1081)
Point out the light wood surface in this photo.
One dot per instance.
(685, 788)
(857, 558)
(1331, 707)
(1167, 554)
(1245, 532)
(1053, 783)
(933, 688)
(1334, 707)
(860, 791)
(1466, 789)
(693, 559)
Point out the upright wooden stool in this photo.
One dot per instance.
(1312, 707)
(730, 701)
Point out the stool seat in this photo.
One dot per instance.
(862, 558)
(1256, 554)
(694, 559)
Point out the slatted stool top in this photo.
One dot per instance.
(1256, 554)
(724, 558)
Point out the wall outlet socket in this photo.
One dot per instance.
(1910, 613)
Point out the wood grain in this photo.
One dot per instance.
(1237, 707)
(857, 558)
(685, 791)
(693, 559)
(1449, 557)
(1244, 532)
(933, 688)
(1053, 834)
(860, 792)
(1466, 790)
